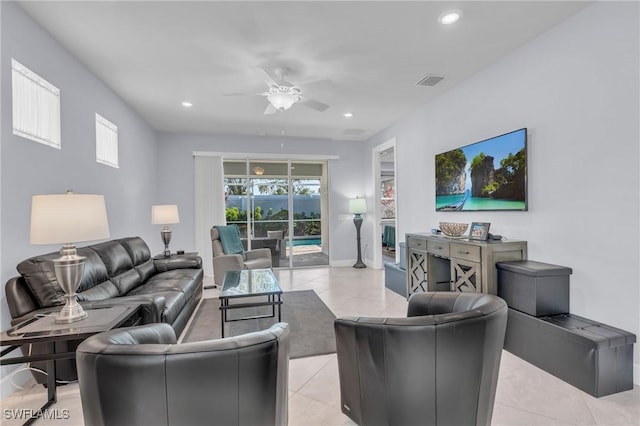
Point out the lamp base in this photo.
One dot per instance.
(165, 234)
(357, 221)
(71, 311)
(69, 268)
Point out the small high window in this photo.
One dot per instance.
(36, 106)
(106, 142)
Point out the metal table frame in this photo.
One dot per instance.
(274, 299)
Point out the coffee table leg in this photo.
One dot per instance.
(222, 315)
(272, 300)
(280, 308)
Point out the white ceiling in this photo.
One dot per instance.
(363, 57)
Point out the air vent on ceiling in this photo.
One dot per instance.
(430, 80)
(353, 132)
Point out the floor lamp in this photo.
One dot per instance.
(67, 219)
(358, 206)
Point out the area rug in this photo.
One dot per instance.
(309, 319)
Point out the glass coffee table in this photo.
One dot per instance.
(250, 287)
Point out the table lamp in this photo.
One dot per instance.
(358, 206)
(67, 219)
(165, 214)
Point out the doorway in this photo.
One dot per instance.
(385, 202)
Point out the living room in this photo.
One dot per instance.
(574, 87)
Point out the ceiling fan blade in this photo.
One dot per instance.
(313, 104)
(270, 109)
(273, 79)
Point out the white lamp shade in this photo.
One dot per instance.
(357, 206)
(68, 218)
(164, 214)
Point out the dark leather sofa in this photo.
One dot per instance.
(116, 272)
(140, 376)
(438, 366)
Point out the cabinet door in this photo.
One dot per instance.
(466, 276)
(417, 271)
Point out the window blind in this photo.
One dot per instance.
(36, 106)
(106, 142)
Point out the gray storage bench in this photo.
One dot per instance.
(395, 274)
(591, 356)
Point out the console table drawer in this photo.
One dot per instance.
(465, 251)
(417, 244)
(438, 248)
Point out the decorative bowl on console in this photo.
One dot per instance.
(453, 229)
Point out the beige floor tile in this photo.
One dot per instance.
(618, 409)
(305, 411)
(504, 415)
(301, 370)
(324, 386)
(523, 386)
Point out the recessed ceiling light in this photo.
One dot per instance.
(187, 104)
(450, 17)
(347, 115)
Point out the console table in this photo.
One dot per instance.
(439, 263)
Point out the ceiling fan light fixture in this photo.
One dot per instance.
(282, 101)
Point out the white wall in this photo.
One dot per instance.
(29, 168)
(576, 89)
(176, 179)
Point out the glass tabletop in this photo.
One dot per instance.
(249, 282)
(44, 327)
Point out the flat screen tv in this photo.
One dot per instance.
(487, 175)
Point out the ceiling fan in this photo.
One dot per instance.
(282, 94)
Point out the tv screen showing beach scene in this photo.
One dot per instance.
(487, 175)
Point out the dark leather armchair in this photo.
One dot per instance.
(140, 376)
(439, 366)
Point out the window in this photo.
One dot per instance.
(106, 142)
(36, 106)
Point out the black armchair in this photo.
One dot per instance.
(439, 366)
(140, 376)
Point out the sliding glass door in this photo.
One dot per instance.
(280, 205)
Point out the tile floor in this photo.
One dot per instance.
(526, 395)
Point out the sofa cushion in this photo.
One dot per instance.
(146, 270)
(102, 291)
(114, 256)
(138, 250)
(40, 276)
(119, 265)
(140, 255)
(95, 271)
(39, 273)
(184, 280)
(127, 281)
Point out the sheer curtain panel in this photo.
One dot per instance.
(209, 205)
